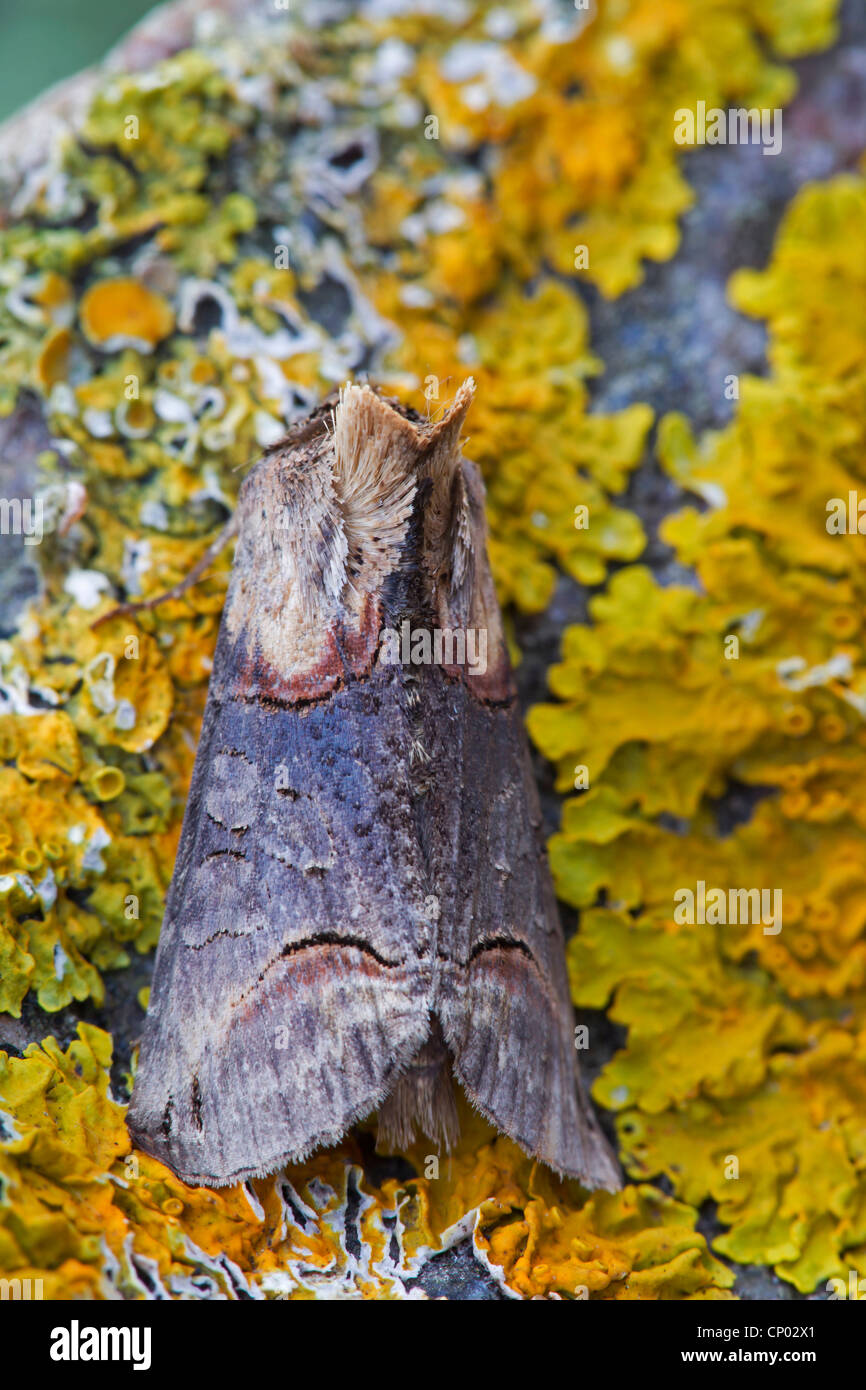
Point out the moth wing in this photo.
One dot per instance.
(502, 997)
(287, 992)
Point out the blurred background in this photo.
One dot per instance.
(43, 41)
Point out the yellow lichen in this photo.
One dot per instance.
(87, 1214)
(741, 1075)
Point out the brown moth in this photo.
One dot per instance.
(361, 914)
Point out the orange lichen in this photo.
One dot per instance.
(124, 313)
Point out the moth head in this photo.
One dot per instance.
(331, 521)
(397, 473)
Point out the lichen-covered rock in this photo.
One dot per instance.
(221, 237)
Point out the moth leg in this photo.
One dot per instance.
(177, 590)
(422, 1098)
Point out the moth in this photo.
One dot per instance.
(361, 915)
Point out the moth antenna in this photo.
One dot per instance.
(195, 575)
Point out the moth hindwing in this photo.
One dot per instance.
(361, 914)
